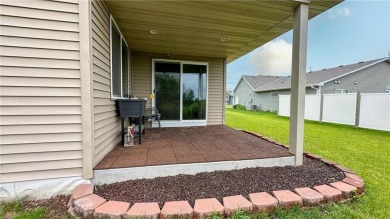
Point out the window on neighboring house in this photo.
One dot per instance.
(119, 63)
(341, 91)
(275, 94)
(387, 89)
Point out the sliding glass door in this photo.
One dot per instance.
(194, 92)
(180, 90)
(167, 90)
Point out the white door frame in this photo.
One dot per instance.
(181, 122)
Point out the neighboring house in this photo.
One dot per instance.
(365, 77)
(244, 91)
(229, 97)
(64, 63)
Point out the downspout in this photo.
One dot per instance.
(318, 90)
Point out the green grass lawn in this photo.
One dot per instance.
(367, 152)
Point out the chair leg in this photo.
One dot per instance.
(158, 120)
(143, 123)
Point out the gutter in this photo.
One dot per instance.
(318, 89)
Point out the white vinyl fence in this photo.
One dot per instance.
(375, 111)
(362, 110)
(312, 106)
(339, 108)
(284, 105)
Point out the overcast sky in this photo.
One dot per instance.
(350, 32)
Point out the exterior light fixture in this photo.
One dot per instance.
(154, 32)
(224, 39)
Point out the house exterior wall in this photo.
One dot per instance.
(263, 100)
(369, 80)
(142, 80)
(229, 99)
(106, 119)
(267, 102)
(41, 132)
(242, 92)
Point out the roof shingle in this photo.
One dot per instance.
(312, 78)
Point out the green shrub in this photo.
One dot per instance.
(239, 106)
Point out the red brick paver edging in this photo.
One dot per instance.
(83, 203)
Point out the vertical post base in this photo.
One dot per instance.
(298, 82)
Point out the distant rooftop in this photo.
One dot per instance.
(259, 80)
(266, 83)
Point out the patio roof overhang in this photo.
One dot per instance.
(201, 28)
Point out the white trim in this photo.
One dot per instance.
(150, 172)
(121, 57)
(40, 189)
(248, 83)
(242, 77)
(235, 88)
(341, 91)
(122, 39)
(302, 1)
(181, 122)
(181, 92)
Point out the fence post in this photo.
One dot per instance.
(321, 107)
(357, 116)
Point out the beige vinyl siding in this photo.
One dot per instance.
(142, 80)
(40, 90)
(106, 119)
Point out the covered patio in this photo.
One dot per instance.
(175, 54)
(189, 150)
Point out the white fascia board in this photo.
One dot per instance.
(242, 77)
(288, 88)
(302, 1)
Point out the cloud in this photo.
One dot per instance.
(274, 58)
(345, 12)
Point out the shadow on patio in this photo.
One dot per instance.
(186, 145)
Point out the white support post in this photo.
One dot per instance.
(298, 82)
(224, 91)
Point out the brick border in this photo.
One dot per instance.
(83, 203)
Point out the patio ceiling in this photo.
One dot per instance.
(196, 28)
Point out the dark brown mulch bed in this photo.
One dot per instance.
(221, 183)
(56, 206)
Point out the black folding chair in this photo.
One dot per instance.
(152, 113)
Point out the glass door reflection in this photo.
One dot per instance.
(167, 90)
(194, 92)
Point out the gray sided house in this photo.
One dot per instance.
(229, 97)
(365, 77)
(244, 92)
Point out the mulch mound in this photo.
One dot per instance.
(219, 184)
(56, 206)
